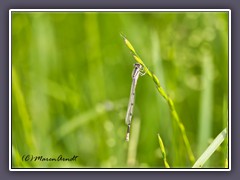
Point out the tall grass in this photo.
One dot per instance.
(71, 77)
(205, 116)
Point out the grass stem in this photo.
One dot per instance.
(166, 97)
(163, 151)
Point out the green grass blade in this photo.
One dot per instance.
(211, 149)
(24, 117)
(133, 143)
(163, 151)
(206, 105)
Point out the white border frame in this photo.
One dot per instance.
(120, 10)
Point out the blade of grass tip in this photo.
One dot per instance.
(162, 148)
(129, 45)
(135, 55)
(211, 149)
(167, 98)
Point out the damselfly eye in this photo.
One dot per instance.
(137, 65)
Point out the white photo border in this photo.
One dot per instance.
(120, 169)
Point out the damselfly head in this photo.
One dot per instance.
(141, 69)
(137, 65)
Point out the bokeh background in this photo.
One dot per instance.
(71, 78)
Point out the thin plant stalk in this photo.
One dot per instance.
(166, 97)
(133, 144)
(162, 148)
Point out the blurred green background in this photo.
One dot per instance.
(71, 78)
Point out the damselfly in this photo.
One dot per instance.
(135, 74)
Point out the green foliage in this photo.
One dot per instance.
(71, 78)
